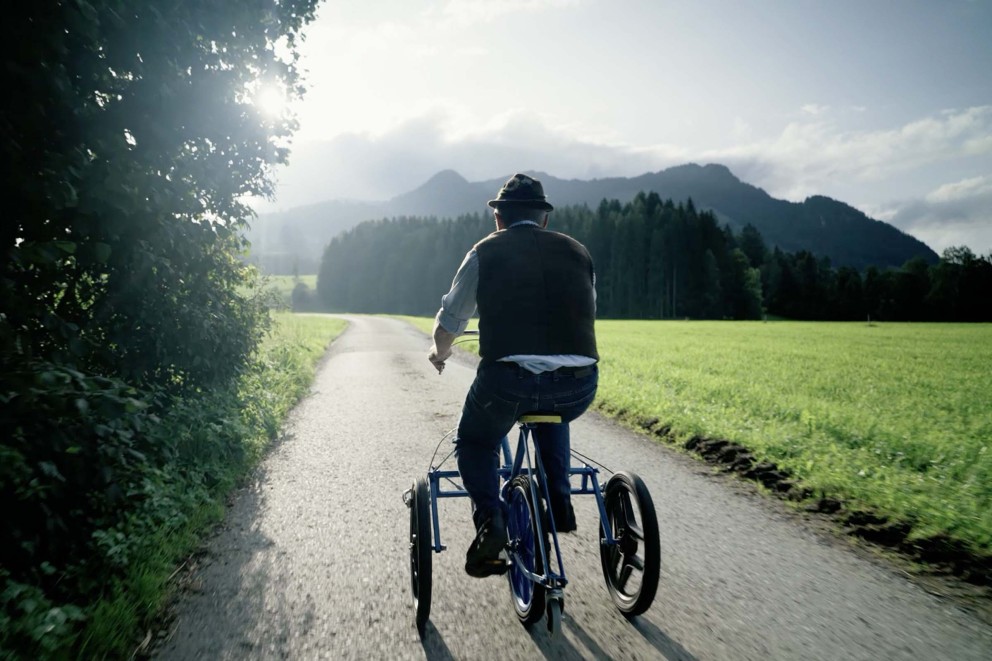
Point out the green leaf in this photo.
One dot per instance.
(66, 246)
(102, 252)
(51, 470)
(77, 346)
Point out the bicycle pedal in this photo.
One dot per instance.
(486, 568)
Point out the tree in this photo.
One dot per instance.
(743, 288)
(848, 299)
(129, 143)
(753, 245)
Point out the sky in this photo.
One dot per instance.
(883, 104)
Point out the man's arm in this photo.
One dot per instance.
(441, 349)
(457, 307)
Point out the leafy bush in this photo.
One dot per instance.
(130, 143)
(75, 448)
(88, 552)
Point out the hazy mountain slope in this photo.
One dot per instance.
(818, 224)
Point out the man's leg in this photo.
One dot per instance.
(485, 420)
(568, 396)
(553, 443)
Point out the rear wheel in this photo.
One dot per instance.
(632, 566)
(525, 551)
(420, 551)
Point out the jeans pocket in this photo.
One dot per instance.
(573, 405)
(487, 415)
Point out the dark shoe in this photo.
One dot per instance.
(483, 557)
(565, 518)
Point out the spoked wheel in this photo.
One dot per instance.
(633, 565)
(420, 551)
(528, 596)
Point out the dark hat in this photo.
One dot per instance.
(521, 190)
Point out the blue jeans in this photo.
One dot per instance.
(501, 393)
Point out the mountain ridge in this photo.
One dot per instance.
(819, 224)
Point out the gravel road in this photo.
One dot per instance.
(313, 561)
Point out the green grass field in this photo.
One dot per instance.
(891, 418)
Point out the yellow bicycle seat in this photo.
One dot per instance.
(539, 417)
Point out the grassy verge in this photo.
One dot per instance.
(893, 419)
(253, 414)
(217, 438)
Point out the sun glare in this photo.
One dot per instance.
(271, 100)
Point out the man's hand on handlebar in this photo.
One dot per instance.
(438, 360)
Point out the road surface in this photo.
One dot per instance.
(313, 559)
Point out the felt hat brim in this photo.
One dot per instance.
(534, 204)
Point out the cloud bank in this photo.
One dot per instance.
(870, 169)
(808, 157)
(959, 213)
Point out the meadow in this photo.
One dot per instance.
(895, 419)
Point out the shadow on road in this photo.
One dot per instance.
(433, 643)
(250, 608)
(587, 640)
(557, 647)
(669, 648)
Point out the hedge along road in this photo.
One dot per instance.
(313, 559)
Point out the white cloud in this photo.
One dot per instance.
(958, 213)
(807, 157)
(377, 166)
(742, 129)
(814, 109)
(961, 190)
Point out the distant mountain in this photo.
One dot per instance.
(819, 224)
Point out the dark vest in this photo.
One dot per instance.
(535, 294)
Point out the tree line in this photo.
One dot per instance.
(654, 259)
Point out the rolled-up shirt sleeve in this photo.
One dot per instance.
(458, 305)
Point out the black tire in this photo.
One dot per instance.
(522, 513)
(632, 567)
(554, 617)
(421, 551)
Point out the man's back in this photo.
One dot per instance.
(535, 294)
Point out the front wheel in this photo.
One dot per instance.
(631, 566)
(524, 531)
(554, 617)
(420, 551)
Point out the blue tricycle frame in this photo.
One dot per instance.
(628, 536)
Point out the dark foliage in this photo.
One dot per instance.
(656, 260)
(128, 141)
(956, 288)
